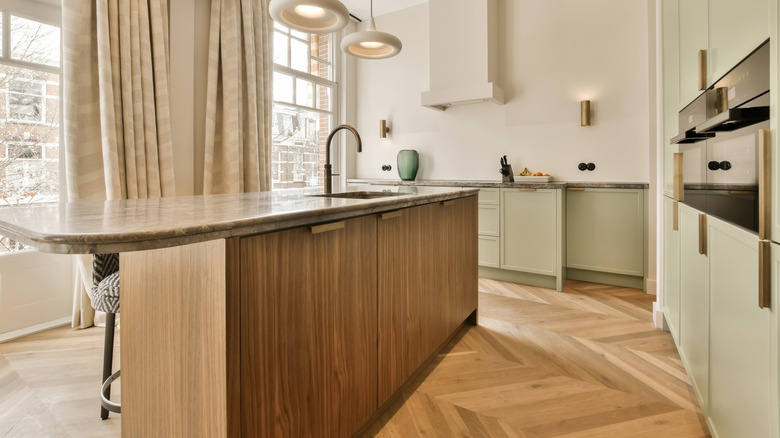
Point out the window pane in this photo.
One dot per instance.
(323, 97)
(29, 136)
(304, 93)
(298, 147)
(300, 55)
(36, 42)
(320, 69)
(299, 34)
(283, 87)
(280, 49)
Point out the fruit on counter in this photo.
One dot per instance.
(526, 172)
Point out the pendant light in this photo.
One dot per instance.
(310, 16)
(370, 43)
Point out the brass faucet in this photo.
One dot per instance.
(328, 168)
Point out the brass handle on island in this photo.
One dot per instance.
(392, 214)
(324, 228)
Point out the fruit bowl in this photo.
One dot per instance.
(532, 179)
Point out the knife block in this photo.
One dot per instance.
(507, 175)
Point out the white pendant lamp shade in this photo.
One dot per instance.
(371, 43)
(310, 16)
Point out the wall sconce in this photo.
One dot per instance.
(584, 113)
(383, 129)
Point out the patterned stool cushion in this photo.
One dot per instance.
(106, 297)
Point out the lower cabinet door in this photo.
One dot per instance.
(741, 376)
(529, 227)
(693, 336)
(309, 333)
(488, 251)
(671, 270)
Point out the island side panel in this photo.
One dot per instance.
(174, 348)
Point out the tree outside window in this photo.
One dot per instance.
(29, 114)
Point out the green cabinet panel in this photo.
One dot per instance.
(605, 230)
(694, 303)
(693, 27)
(529, 231)
(774, 407)
(740, 395)
(488, 251)
(488, 220)
(735, 29)
(671, 263)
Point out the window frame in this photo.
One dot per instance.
(333, 84)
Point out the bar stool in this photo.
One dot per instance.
(105, 298)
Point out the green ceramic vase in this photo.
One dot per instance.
(408, 164)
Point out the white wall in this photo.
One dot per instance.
(552, 54)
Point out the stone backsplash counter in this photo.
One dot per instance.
(499, 184)
(142, 224)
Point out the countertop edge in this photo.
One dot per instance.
(145, 240)
(499, 184)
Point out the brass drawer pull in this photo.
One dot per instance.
(324, 228)
(445, 203)
(702, 70)
(676, 216)
(764, 274)
(764, 183)
(702, 234)
(679, 188)
(392, 214)
(525, 189)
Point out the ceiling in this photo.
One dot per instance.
(362, 8)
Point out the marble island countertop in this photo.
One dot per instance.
(142, 224)
(498, 184)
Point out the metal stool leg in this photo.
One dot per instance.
(108, 358)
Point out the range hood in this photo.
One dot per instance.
(463, 54)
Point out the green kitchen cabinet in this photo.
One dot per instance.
(531, 232)
(671, 263)
(488, 227)
(693, 28)
(741, 374)
(694, 299)
(605, 235)
(735, 29)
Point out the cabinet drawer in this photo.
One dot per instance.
(488, 196)
(488, 251)
(488, 220)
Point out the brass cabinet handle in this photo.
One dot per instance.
(764, 183)
(576, 189)
(676, 216)
(702, 70)
(764, 274)
(679, 189)
(702, 234)
(524, 189)
(324, 228)
(445, 203)
(392, 214)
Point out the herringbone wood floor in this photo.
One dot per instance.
(583, 363)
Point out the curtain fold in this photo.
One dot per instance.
(239, 98)
(116, 109)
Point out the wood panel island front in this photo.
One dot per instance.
(270, 314)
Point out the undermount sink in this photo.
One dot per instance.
(359, 195)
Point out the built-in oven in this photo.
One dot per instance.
(721, 139)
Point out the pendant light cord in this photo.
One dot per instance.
(372, 8)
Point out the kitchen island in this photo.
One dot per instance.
(270, 314)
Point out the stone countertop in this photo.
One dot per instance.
(499, 184)
(142, 224)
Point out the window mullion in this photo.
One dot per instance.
(6, 35)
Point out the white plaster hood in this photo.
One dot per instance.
(462, 53)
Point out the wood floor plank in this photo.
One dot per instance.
(586, 362)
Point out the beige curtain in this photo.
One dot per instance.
(115, 110)
(238, 106)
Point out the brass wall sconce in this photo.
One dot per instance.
(383, 129)
(584, 113)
